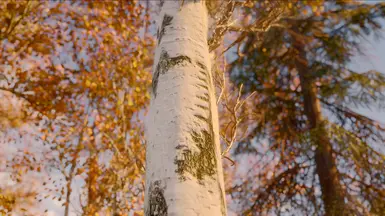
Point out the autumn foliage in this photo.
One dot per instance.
(74, 87)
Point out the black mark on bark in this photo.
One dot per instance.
(206, 99)
(202, 118)
(157, 205)
(203, 86)
(166, 22)
(203, 80)
(203, 71)
(164, 64)
(203, 107)
(201, 65)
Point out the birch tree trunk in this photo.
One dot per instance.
(183, 170)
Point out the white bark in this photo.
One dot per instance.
(184, 170)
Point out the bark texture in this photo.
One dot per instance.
(184, 171)
(332, 194)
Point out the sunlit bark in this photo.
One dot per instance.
(184, 171)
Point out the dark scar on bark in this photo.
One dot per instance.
(202, 162)
(201, 65)
(157, 203)
(203, 71)
(166, 63)
(166, 22)
(202, 107)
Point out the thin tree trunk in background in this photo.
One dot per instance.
(69, 190)
(70, 177)
(326, 168)
(91, 207)
(93, 204)
(183, 161)
(115, 211)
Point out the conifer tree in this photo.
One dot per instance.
(327, 158)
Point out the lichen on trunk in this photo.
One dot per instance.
(157, 202)
(201, 163)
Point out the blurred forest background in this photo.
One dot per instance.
(295, 104)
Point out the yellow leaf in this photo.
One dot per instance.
(79, 171)
(130, 103)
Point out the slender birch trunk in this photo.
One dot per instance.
(92, 206)
(184, 171)
(69, 188)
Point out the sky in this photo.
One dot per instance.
(374, 59)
